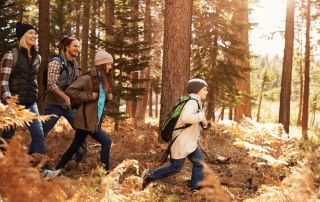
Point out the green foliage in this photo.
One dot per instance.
(8, 15)
(128, 53)
(215, 24)
(61, 22)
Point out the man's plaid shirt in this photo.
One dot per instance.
(53, 75)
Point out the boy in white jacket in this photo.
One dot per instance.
(186, 143)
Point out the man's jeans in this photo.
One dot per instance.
(176, 165)
(36, 132)
(48, 125)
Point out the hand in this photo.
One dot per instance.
(110, 96)
(95, 95)
(68, 102)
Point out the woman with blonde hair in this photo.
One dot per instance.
(21, 80)
(93, 90)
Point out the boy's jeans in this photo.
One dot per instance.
(48, 125)
(36, 132)
(176, 165)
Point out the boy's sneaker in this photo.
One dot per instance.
(49, 173)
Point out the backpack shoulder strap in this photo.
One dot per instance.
(15, 58)
(191, 98)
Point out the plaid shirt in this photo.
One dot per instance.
(53, 75)
(7, 64)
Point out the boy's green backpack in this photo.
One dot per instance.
(172, 118)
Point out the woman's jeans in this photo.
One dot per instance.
(36, 132)
(48, 126)
(79, 138)
(176, 165)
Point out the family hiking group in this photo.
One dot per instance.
(81, 99)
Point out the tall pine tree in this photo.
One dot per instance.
(128, 52)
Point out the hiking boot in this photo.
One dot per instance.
(195, 191)
(49, 173)
(146, 182)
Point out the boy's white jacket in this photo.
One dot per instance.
(186, 143)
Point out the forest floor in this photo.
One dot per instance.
(241, 176)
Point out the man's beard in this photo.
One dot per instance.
(72, 53)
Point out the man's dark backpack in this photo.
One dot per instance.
(63, 67)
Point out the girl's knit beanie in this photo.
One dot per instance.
(102, 57)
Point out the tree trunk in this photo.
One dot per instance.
(176, 53)
(147, 26)
(21, 10)
(222, 112)
(93, 31)
(212, 87)
(260, 101)
(305, 113)
(78, 23)
(301, 91)
(85, 35)
(109, 14)
(156, 112)
(285, 95)
(230, 112)
(150, 101)
(245, 109)
(44, 44)
(135, 75)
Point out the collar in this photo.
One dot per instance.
(195, 96)
(24, 52)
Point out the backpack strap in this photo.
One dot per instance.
(15, 58)
(84, 115)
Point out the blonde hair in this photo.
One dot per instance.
(23, 43)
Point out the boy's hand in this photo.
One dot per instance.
(95, 95)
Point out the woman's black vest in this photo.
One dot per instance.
(23, 79)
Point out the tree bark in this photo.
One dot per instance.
(212, 87)
(85, 35)
(150, 101)
(176, 53)
(78, 23)
(156, 111)
(109, 14)
(147, 26)
(222, 112)
(21, 10)
(285, 95)
(301, 92)
(245, 109)
(260, 101)
(93, 31)
(44, 44)
(305, 113)
(230, 112)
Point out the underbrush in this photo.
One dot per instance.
(263, 165)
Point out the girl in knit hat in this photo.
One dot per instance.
(94, 90)
(21, 79)
(186, 143)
